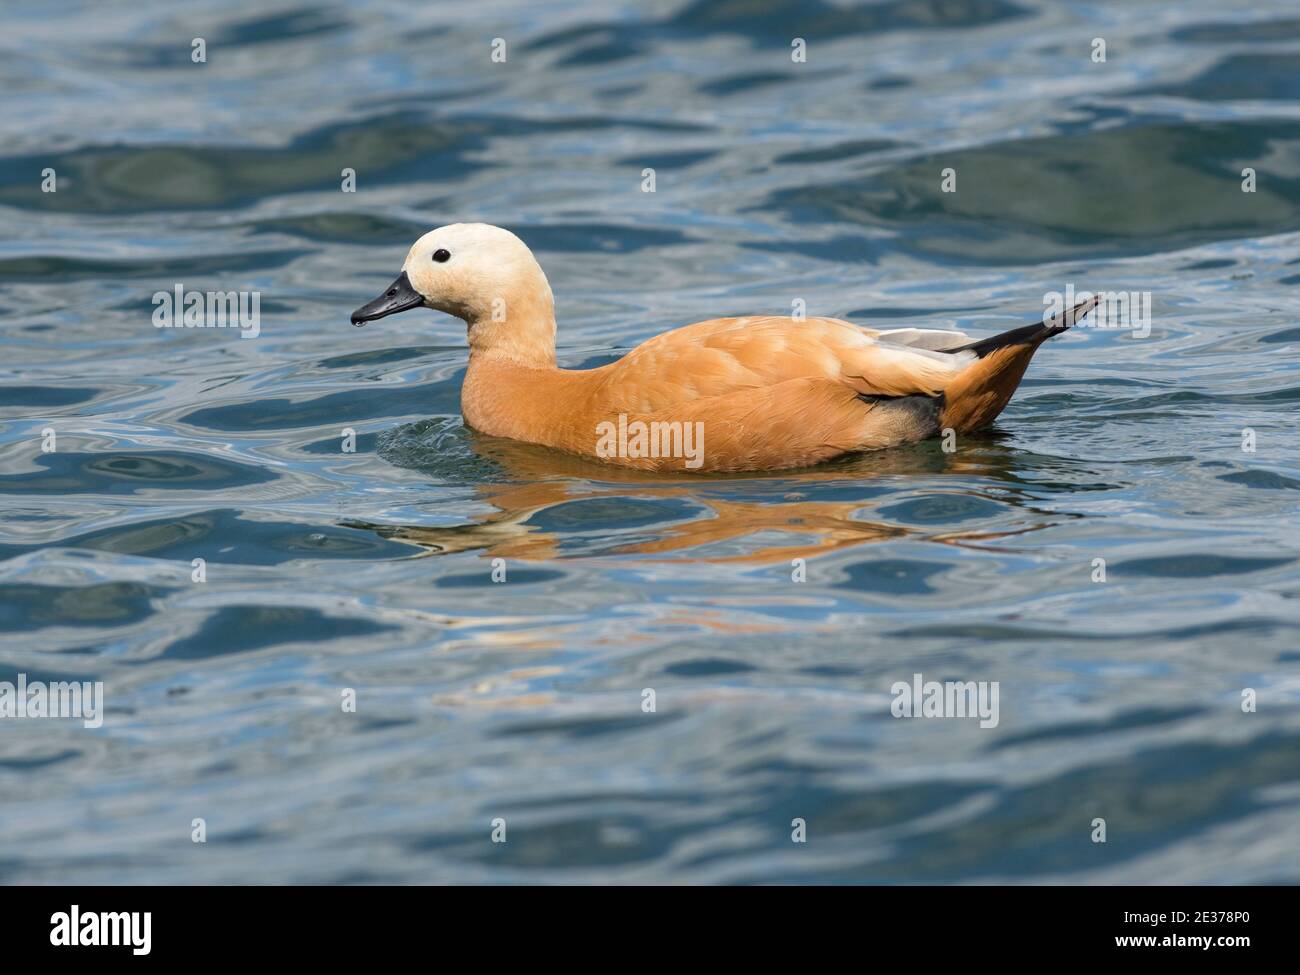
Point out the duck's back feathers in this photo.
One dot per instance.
(728, 355)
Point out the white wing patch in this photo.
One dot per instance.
(937, 339)
(924, 360)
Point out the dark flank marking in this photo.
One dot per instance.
(922, 410)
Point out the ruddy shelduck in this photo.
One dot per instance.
(754, 393)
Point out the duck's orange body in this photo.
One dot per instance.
(730, 394)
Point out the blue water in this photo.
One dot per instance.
(522, 700)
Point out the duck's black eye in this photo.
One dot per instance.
(441, 255)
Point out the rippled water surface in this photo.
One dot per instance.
(522, 700)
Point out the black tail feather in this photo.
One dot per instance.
(1034, 333)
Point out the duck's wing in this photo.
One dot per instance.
(936, 339)
(727, 355)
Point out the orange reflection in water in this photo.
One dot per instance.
(545, 479)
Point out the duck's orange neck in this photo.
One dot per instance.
(516, 325)
(512, 385)
(533, 350)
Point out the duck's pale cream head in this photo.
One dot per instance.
(485, 276)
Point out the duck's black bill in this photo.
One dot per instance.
(399, 296)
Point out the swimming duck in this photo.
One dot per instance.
(754, 393)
